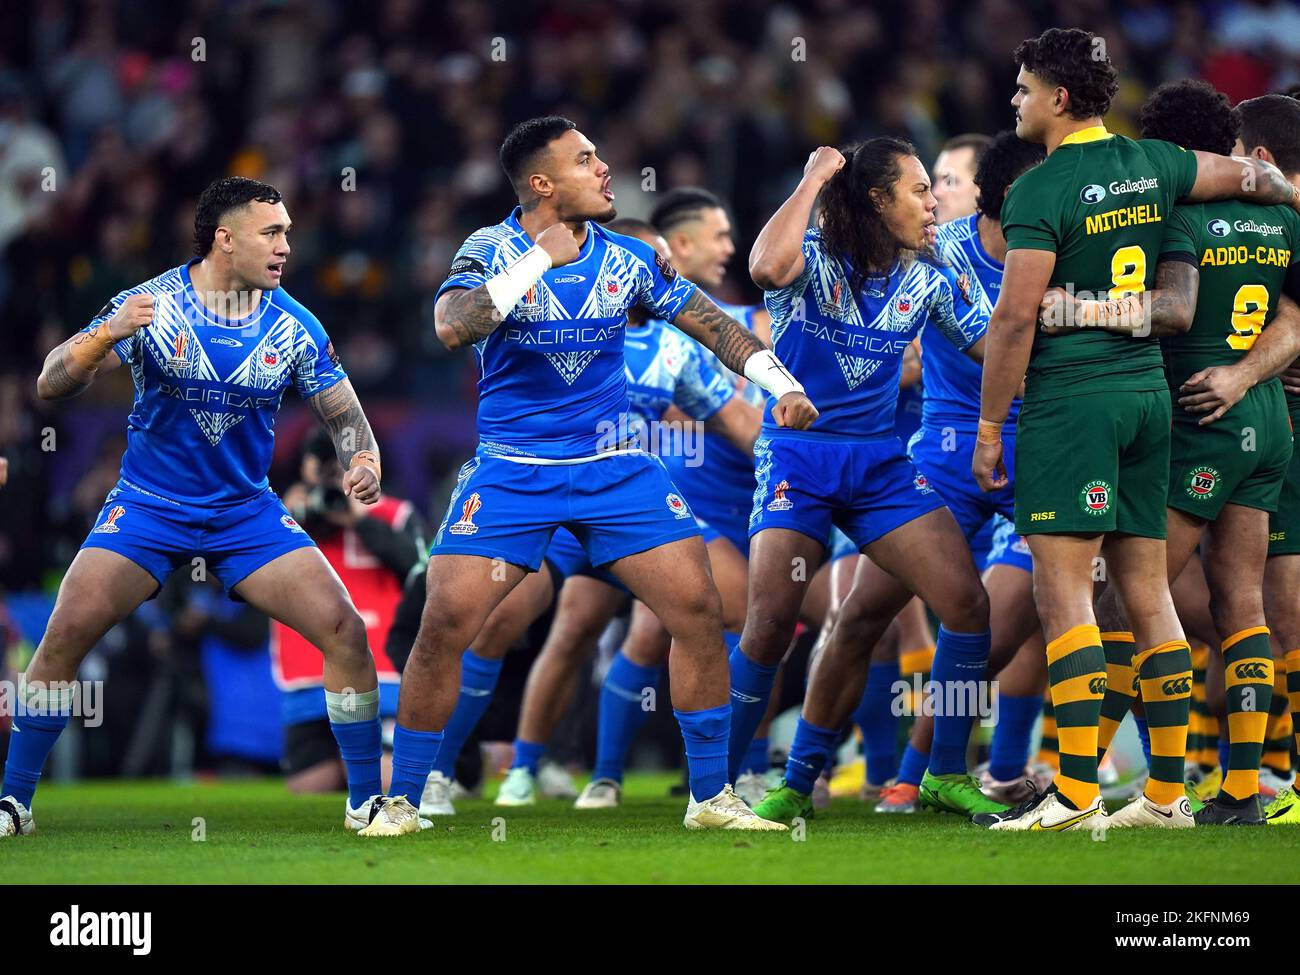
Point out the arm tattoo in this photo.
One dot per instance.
(1174, 297)
(471, 314)
(58, 381)
(730, 341)
(1272, 186)
(340, 412)
(1164, 309)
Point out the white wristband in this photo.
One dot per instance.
(766, 370)
(513, 283)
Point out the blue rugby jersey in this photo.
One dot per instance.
(952, 380)
(727, 464)
(207, 389)
(552, 375)
(665, 368)
(847, 349)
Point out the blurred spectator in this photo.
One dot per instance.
(373, 549)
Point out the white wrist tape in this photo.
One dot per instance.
(513, 283)
(766, 370)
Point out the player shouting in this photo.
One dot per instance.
(543, 298)
(211, 345)
(846, 301)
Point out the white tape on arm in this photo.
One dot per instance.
(513, 283)
(766, 370)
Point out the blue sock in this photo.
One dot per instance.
(808, 754)
(478, 679)
(30, 742)
(756, 757)
(621, 714)
(414, 753)
(705, 733)
(354, 720)
(912, 767)
(751, 686)
(1009, 752)
(879, 725)
(1224, 748)
(528, 754)
(961, 659)
(1144, 736)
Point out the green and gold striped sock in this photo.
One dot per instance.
(1277, 733)
(1165, 677)
(1121, 687)
(1248, 678)
(1076, 674)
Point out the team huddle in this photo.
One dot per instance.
(1099, 334)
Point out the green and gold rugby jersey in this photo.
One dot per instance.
(1101, 203)
(1242, 252)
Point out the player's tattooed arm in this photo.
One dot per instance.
(74, 364)
(713, 328)
(740, 351)
(340, 413)
(465, 316)
(63, 376)
(1241, 178)
(56, 380)
(1165, 310)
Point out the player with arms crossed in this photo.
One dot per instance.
(1092, 452)
(193, 482)
(941, 449)
(1223, 268)
(846, 300)
(543, 298)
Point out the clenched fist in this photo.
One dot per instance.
(558, 241)
(361, 483)
(794, 410)
(823, 163)
(135, 313)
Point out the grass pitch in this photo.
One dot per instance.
(256, 833)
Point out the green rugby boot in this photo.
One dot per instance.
(957, 793)
(1284, 810)
(783, 804)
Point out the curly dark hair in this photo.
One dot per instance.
(850, 220)
(1191, 114)
(226, 194)
(1002, 163)
(1076, 60)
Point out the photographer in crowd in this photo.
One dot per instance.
(372, 548)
